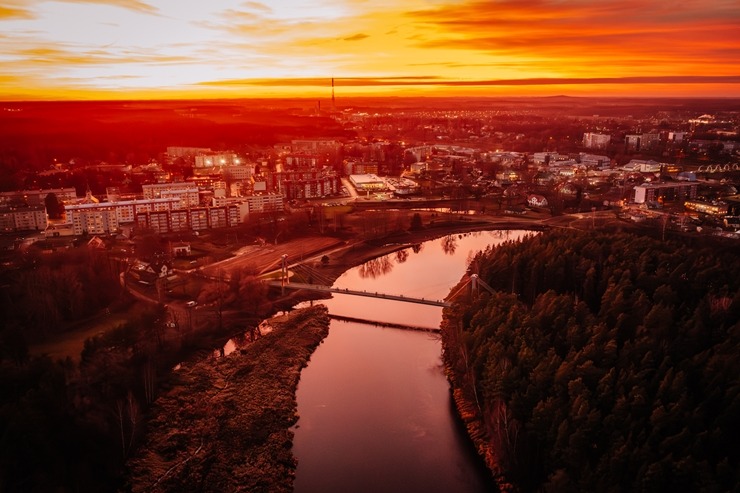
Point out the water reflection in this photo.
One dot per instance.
(449, 244)
(241, 341)
(374, 403)
(376, 267)
(402, 256)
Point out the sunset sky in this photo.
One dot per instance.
(103, 49)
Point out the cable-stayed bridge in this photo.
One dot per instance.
(355, 292)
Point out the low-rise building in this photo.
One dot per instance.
(367, 183)
(710, 208)
(180, 249)
(595, 161)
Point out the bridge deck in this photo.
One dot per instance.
(328, 289)
(392, 325)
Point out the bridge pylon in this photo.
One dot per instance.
(476, 282)
(284, 277)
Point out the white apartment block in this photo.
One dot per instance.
(96, 220)
(596, 141)
(187, 192)
(126, 210)
(420, 152)
(314, 145)
(264, 203)
(216, 160)
(37, 197)
(23, 219)
(189, 197)
(174, 152)
(243, 172)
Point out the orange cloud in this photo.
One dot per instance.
(356, 37)
(439, 81)
(610, 35)
(7, 12)
(471, 47)
(135, 5)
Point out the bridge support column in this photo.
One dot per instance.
(284, 278)
(474, 285)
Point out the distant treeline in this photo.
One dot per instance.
(604, 362)
(35, 135)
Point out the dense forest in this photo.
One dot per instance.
(70, 425)
(48, 292)
(603, 362)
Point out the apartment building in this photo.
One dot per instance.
(92, 219)
(314, 145)
(126, 210)
(665, 192)
(266, 202)
(32, 218)
(212, 160)
(596, 141)
(37, 197)
(186, 192)
(306, 184)
(196, 219)
(174, 152)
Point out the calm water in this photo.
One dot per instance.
(374, 404)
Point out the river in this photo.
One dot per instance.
(374, 404)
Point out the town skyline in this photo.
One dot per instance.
(132, 49)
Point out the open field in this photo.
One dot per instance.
(265, 258)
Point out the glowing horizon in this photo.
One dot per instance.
(165, 49)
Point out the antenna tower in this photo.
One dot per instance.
(333, 102)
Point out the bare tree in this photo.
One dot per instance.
(148, 374)
(219, 295)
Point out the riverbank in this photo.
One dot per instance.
(224, 425)
(357, 253)
(210, 422)
(468, 410)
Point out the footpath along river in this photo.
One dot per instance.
(374, 404)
